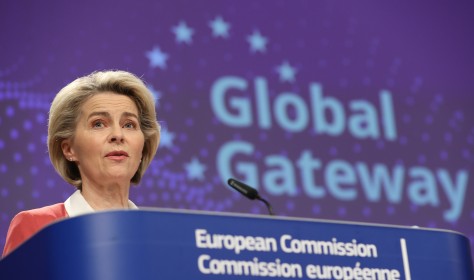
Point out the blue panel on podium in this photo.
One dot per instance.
(168, 244)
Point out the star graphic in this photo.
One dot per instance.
(287, 72)
(156, 94)
(257, 42)
(183, 33)
(157, 58)
(195, 169)
(219, 27)
(166, 138)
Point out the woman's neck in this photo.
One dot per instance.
(106, 197)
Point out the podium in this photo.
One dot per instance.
(177, 244)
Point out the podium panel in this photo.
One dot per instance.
(172, 244)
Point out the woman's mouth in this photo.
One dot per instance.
(117, 155)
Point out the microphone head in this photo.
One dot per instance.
(244, 189)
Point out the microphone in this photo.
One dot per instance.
(249, 192)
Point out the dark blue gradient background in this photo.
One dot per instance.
(419, 51)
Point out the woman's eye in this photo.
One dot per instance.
(98, 124)
(130, 125)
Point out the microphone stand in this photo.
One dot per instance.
(269, 206)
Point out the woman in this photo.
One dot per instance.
(102, 136)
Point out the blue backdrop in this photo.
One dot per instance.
(357, 111)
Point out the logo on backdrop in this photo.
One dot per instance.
(246, 104)
(337, 177)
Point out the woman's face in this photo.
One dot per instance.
(108, 142)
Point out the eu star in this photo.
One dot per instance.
(287, 72)
(257, 42)
(156, 94)
(157, 58)
(183, 33)
(166, 138)
(219, 27)
(195, 169)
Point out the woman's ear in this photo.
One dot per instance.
(67, 150)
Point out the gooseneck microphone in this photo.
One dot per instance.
(249, 192)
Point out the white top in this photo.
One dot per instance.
(77, 205)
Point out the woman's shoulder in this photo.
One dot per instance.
(53, 211)
(28, 222)
(37, 218)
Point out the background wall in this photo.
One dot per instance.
(354, 111)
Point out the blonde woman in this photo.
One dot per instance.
(102, 136)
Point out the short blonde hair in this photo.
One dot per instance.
(66, 107)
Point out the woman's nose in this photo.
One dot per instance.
(116, 134)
